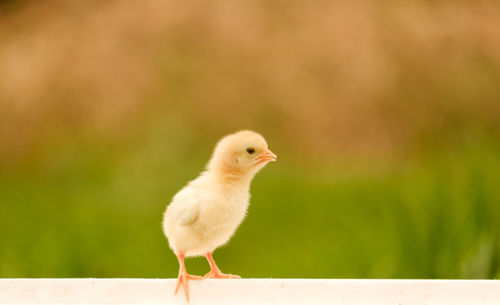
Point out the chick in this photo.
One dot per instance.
(206, 212)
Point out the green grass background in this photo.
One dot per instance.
(91, 210)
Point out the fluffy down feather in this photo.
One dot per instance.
(206, 212)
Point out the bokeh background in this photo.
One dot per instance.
(385, 116)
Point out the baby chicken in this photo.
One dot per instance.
(206, 212)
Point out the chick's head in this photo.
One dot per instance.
(241, 153)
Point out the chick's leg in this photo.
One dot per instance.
(215, 272)
(184, 277)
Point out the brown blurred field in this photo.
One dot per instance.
(385, 116)
(337, 76)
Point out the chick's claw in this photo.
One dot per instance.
(219, 275)
(183, 280)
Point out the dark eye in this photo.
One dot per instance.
(250, 150)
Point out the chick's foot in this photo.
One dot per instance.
(219, 275)
(183, 280)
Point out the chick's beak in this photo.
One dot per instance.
(267, 156)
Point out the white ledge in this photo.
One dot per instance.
(250, 291)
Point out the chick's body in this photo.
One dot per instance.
(204, 214)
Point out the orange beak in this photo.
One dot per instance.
(267, 156)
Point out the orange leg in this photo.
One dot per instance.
(184, 277)
(215, 272)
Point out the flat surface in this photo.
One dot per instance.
(249, 291)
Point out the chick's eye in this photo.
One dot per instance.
(250, 150)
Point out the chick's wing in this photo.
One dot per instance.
(187, 207)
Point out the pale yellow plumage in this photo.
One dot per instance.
(206, 212)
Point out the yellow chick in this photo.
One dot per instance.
(207, 211)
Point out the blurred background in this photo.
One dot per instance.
(385, 116)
